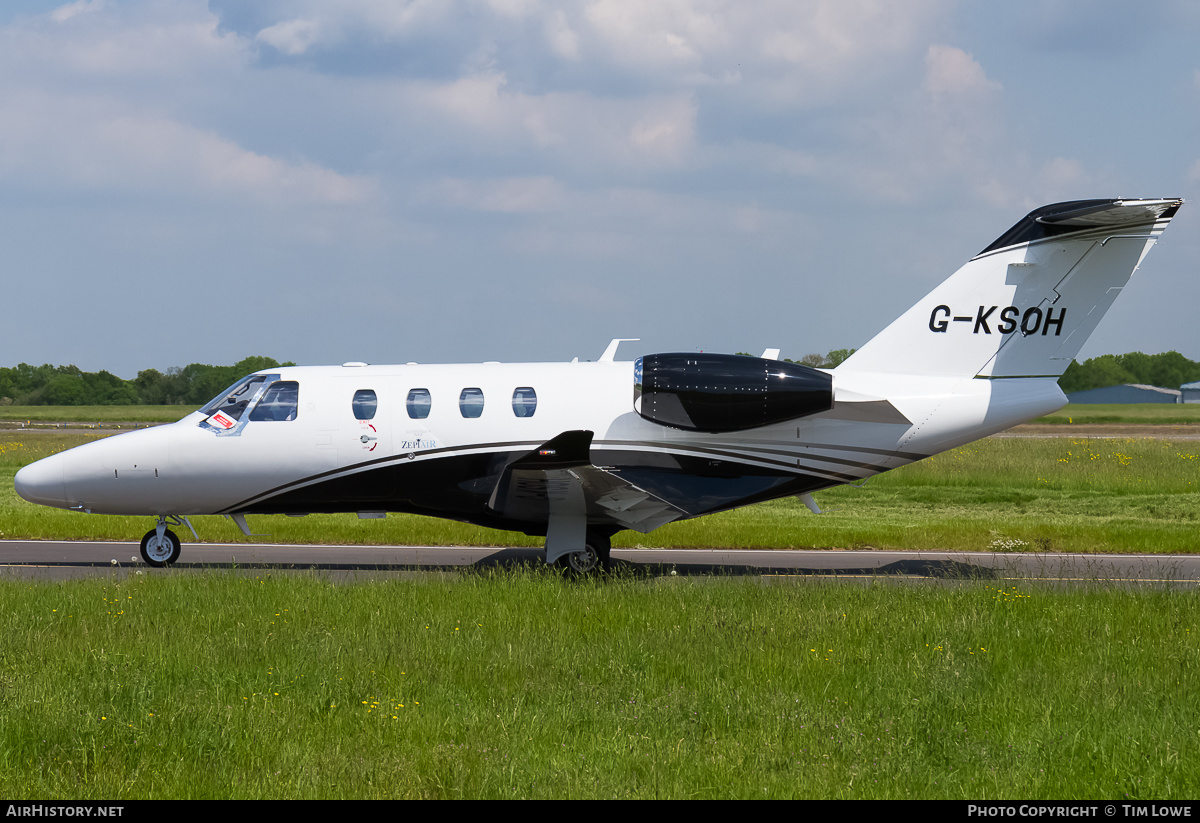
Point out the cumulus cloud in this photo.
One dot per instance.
(104, 98)
(652, 130)
(951, 72)
(563, 39)
(88, 144)
(291, 37)
(64, 13)
(522, 195)
(774, 50)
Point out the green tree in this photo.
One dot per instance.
(837, 356)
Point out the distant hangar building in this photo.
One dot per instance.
(1134, 393)
(1191, 392)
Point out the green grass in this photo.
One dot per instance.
(93, 414)
(1138, 414)
(521, 684)
(1071, 494)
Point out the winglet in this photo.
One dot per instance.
(566, 451)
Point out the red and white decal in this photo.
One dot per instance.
(221, 421)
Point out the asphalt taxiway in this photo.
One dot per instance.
(60, 560)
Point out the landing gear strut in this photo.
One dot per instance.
(160, 546)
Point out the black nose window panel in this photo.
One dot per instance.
(726, 392)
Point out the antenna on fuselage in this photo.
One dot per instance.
(611, 351)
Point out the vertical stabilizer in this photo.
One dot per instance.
(1025, 305)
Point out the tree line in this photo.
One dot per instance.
(1168, 370)
(816, 361)
(197, 383)
(192, 385)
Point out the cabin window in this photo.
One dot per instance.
(278, 402)
(524, 402)
(470, 402)
(364, 404)
(418, 403)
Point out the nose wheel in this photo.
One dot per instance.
(160, 547)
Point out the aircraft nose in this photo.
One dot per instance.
(43, 482)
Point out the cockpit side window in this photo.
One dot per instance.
(279, 402)
(364, 404)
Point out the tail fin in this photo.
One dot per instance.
(1025, 305)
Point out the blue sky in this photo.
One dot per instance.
(445, 181)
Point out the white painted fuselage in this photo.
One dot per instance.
(580, 450)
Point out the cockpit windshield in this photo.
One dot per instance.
(225, 411)
(233, 400)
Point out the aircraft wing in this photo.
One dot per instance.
(557, 482)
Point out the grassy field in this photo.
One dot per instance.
(522, 685)
(1138, 414)
(1074, 494)
(92, 414)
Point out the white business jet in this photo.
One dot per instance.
(579, 451)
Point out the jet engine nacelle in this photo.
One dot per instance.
(726, 392)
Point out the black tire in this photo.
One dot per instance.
(593, 558)
(158, 553)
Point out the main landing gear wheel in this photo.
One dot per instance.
(160, 551)
(592, 558)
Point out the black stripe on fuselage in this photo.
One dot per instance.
(459, 487)
(747, 450)
(356, 468)
(456, 482)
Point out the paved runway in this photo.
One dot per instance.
(58, 560)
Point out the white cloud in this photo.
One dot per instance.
(651, 130)
(522, 195)
(99, 42)
(564, 40)
(951, 72)
(64, 13)
(291, 37)
(86, 144)
(773, 51)
(103, 96)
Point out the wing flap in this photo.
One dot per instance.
(558, 478)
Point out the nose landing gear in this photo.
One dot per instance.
(160, 545)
